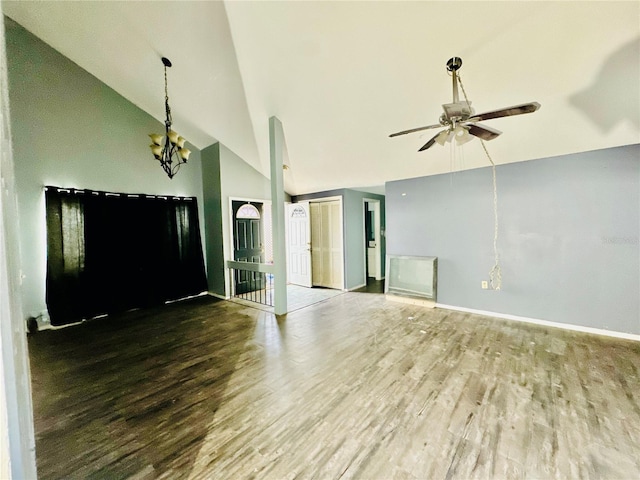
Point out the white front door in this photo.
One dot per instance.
(299, 263)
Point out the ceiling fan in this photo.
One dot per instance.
(460, 119)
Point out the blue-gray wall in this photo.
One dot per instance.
(353, 230)
(568, 237)
(71, 130)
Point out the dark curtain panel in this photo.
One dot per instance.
(66, 256)
(113, 252)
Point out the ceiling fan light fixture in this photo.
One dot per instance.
(442, 137)
(462, 135)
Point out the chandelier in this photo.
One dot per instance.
(168, 149)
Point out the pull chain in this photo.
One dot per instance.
(495, 274)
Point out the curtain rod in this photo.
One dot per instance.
(114, 194)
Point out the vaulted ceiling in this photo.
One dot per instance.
(342, 76)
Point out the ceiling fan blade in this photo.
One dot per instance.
(506, 112)
(404, 132)
(430, 143)
(482, 131)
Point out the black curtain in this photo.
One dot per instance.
(111, 252)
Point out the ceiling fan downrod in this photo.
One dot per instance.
(453, 65)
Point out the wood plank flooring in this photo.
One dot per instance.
(353, 387)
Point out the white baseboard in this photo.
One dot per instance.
(221, 297)
(355, 288)
(546, 323)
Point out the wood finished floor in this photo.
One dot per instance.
(354, 387)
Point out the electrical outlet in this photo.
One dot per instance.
(485, 285)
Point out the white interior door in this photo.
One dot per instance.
(326, 244)
(299, 260)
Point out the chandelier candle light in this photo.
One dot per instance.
(168, 149)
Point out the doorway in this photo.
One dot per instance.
(315, 248)
(248, 245)
(299, 244)
(327, 257)
(372, 240)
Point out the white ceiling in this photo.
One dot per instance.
(341, 76)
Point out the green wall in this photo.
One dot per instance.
(71, 130)
(225, 176)
(213, 218)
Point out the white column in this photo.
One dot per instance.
(276, 143)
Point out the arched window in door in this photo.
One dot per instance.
(298, 212)
(248, 211)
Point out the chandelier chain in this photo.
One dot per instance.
(169, 149)
(495, 274)
(168, 121)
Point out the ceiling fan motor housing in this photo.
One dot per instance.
(458, 111)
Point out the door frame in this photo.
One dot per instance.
(377, 232)
(228, 240)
